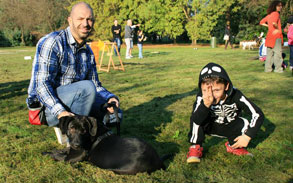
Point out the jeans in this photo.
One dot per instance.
(118, 42)
(79, 98)
(140, 50)
(291, 55)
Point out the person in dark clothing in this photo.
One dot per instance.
(217, 111)
(228, 37)
(116, 31)
(140, 39)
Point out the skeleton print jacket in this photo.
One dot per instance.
(228, 110)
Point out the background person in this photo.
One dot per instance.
(140, 39)
(289, 31)
(116, 31)
(129, 38)
(274, 38)
(228, 37)
(64, 76)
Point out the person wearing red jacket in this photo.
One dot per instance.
(274, 37)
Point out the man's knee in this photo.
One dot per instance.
(87, 88)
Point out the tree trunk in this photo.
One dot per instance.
(194, 42)
(22, 38)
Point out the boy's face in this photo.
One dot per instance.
(217, 90)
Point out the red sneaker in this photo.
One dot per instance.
(238, 151)
(194, 154)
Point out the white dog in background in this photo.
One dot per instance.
(249, 44)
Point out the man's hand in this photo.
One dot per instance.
(110, 109)
(207, 95)
(241, 141)
(65, 113)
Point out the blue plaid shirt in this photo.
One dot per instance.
(59, 61)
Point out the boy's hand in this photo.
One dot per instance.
(241, 141)
(207, 95)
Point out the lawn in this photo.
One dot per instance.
(156, 94)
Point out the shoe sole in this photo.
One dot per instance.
(193, 160)
(249, 154)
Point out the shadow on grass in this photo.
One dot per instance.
(145, 120)
(155, 53)
(261, 136)
(12, 89)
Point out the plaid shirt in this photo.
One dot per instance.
(59, 61)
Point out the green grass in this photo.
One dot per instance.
(157, 94)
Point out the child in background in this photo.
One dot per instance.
(217, 111)
(140, 39)
(290, 39)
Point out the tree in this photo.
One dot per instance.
(174, 19)
(29, 16)
(202, 17)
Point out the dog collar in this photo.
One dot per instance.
(100, 138)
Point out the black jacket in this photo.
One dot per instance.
(228, 110)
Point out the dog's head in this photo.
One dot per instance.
(80, 130)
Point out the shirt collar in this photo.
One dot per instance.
(72, 41)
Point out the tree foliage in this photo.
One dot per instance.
(31, 16)
(199, 19)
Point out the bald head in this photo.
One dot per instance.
(81, 21)
(129, 22)
(80, 5)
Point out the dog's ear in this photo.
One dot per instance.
(93, 126)
(63, 124)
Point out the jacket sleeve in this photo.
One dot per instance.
(200, 112)
(263, 21)
(255, 113)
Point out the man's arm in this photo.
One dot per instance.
(46, 69)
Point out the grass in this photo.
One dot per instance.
(157, 94)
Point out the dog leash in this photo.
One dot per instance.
(100, 138)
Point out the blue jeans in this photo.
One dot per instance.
(140, 50)
(79, 98)
(118, 42)
(291, 55)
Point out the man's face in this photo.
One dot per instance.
(81, 22)
(115, 22)
(217, 89)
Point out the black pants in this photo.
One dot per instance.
(231, 131)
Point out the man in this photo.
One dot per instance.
(129, 38)
(64, 76)
(116, 31)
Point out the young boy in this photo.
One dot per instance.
(140, 39)
(217, 111)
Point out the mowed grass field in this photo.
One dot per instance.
(156, 94)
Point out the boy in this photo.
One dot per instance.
(217, 111)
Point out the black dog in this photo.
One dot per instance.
(93, 141)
